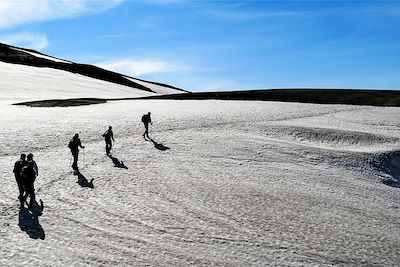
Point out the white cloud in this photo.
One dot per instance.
(36, 41)
(140, 67)
(13, 13)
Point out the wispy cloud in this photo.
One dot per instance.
(36, 41)
(163, 2)
(217, 85)
(140, 67)
(241, 15)
(389, 9)
(209, 84)
(13, 13)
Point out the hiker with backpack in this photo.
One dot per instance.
(146, 119)
(74, 145)
(18, 166)
(29, 173)
(109, 138)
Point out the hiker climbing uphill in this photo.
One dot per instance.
(108, 138)
(74, 145)
(146, 119)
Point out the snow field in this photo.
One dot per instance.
(20, 83)
(243, 184)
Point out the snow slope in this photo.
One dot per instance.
(242, 184)
(24, 83)
(28, 75)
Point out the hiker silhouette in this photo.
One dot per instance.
(108, 138)
(29, 173)
(146, 119)
(74, 145)
(18, 166)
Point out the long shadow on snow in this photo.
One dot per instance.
(82, 181)
(118, 163)
(389, 163)
(29, 223)
(159, 146)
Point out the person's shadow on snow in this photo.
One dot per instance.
(37, 209)
(159, 146)
(118, 163)
(82, 181)
(29, 223)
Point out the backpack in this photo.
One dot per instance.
(18, 167)
(143, 118)
(28, 171)
(71, 144)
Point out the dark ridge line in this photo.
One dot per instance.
(8, 54)
(40, 53)
(71, 62)
(382, 98)
(388, 98)
(157, 83)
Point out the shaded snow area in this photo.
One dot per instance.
(23, 83)
(225, 183)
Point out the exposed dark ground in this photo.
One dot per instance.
(63, 102)
(384, 98)
(317, 96)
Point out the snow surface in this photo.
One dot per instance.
(226, 183)
(27, 83)
(243, 183)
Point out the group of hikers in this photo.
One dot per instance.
(26, 169)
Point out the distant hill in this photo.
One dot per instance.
(27, 57)
(384, 98)
(390, 98)
(42, 80)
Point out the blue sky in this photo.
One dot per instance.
(218, 45)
